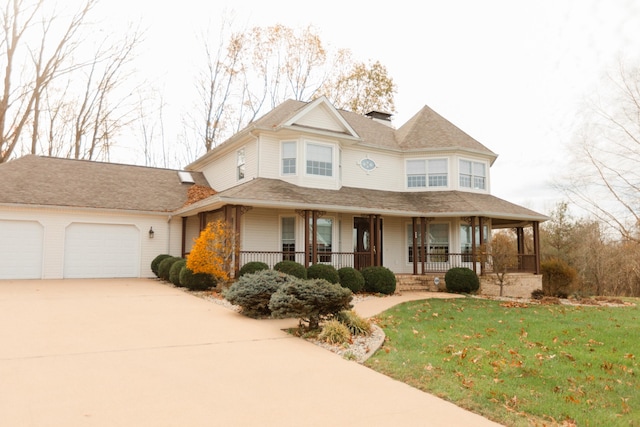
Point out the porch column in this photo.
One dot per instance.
(184, 236)
(423, 244)
(373, 240)
(236, 263)
(474, 251)
(202, 216)
(306, 239)
(378, 240)
(314, 237)
(482, 247)
(520, 247)
(415, 245)
(536, 244)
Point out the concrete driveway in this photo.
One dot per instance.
(140, 353)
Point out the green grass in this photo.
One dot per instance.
(518, 364)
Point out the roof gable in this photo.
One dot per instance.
(429, 130)
(321, 115)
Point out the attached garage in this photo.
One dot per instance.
(21, 249)
(101, 251)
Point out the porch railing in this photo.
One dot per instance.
(435, 263)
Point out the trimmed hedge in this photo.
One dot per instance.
(196, 281)
(291, 268)
(174, 271)
(351, 278)
(379, 279)
(252, 292)
(323, 271)
(156, 262)
(461, 280)
(165, 267)
(252, 267)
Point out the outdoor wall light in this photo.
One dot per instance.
(151, 233)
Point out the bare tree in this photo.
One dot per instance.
(103, 109)
(503, 257)
(604, 177)
(30, 70)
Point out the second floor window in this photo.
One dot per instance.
(416, 174)
(288, 158)
(427, 173)
(473, 175)
(240, 163)
(319, 160)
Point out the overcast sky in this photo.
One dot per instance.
(512, 74)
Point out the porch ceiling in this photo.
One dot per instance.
(274, 193)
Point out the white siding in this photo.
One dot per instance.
(388, 175)
(222, 172)
(321, 118)
(260, 230)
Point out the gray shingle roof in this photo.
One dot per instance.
(425, 130)
(50, 181)
(273, 192)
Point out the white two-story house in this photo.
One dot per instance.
(305, 182)
(311, 183)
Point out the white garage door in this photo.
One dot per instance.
(21, 249)
(101, 251)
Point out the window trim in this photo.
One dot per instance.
(427, 175)
(306, 159)
(295, 158)
(324, 257)
(432, 257)
(241, 163)
(290, 256)
(473, 177)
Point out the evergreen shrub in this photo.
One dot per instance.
(291, 268)
(310, 300)
(165, 267)
(252, 292)
(379, 279)
(461, 280)
(252, 267)
(351, 278)
(323, 271)
(174, 271)
(156, 262)
(196, 281)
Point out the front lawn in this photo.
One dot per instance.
(519, 364)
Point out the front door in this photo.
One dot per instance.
(366, 252)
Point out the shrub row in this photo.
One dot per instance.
(174, 269)
(371, 279)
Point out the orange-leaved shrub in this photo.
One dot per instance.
(213, 251)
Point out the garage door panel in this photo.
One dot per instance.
(101, 251)
(21, 245)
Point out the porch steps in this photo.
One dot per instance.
(409, 282)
